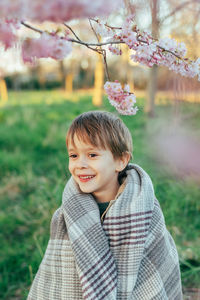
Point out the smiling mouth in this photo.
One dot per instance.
(85, 178)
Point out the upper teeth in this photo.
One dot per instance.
(86, 176)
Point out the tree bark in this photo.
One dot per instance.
(3, 92)
(152, 83)
(69, 82)
(62, 72)
(98, 82)
(151, 90)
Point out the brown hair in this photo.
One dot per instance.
(101, 129)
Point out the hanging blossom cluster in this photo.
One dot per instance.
(121, 98)
(57, 45)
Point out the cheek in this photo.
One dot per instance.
(70, 167)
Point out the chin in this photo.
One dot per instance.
(85, 190)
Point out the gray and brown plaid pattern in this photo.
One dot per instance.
(130, 256)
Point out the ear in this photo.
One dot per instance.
(122, 161)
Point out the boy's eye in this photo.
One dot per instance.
(72, 156)
(92, 154)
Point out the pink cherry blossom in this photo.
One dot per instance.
(115, 50)
(130, 39)
(182, 49)
(127, 34)
(197, 62)
(7, 35)
(45, 46)
(168, 44)
(146, 54)
(103, 30)
(121, 98)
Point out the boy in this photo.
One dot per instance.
(108, 238)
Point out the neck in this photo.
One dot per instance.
(106, 196)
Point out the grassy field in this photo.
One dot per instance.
(33, 172)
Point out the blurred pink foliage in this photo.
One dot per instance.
(7, 34)
(56, 10)
(45, 46)
(180, 150)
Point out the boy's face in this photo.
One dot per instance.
(94, 169)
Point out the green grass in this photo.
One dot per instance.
(33, 173)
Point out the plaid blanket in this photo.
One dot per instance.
(131, 255)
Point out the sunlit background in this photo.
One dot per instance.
(37, 104)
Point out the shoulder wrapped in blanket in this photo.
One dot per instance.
(130, 256)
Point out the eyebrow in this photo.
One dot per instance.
(88, 149)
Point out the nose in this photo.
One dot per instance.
(82, 162)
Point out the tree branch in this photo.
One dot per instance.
(91, 45)
(72, 31)
(102, 51)
(106, 65)
(94, 31)
(111, 27)
(78, 39)
(31, 27)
